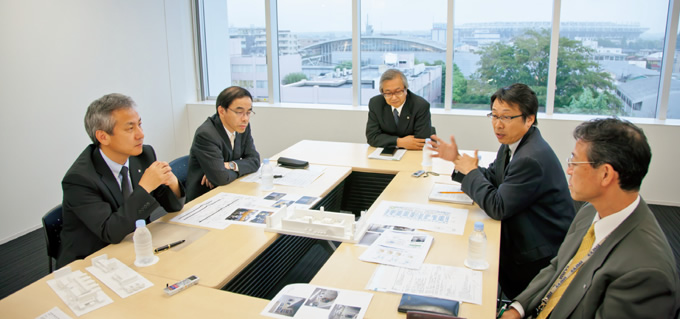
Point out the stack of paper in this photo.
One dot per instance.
(450, 193)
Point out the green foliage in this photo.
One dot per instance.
(294, 77)
(344, 65)
(459, 84)
(525, 60)
(590, 102)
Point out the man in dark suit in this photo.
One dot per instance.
(525, 187)
(223, 148)
(615, 261)
(114, 182)
(397, 117)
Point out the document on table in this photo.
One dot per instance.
(440, 281)
(401, 249)
(311, 301)
(450, 193)
(437, 218)
(54, 313)
(225, 209)
(290, 177)
(396, 157)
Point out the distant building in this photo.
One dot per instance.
(254, 41)
(639, 97)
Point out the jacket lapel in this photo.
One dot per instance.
(223, 132)
(576, 291)
(136, 171)
(106, 176)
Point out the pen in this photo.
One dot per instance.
(451, 193)
(500, 312)
(168, 246)
(278, 176)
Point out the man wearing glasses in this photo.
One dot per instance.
(615, 261)
(397, 117)
(525, 187)
(223, 148)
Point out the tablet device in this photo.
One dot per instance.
(388, 151)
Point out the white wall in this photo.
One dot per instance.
(275, 128)
(56, 58)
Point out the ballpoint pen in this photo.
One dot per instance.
(500, 312)
(168, 246)
(451, 193)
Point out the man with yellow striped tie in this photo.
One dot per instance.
(615, 261)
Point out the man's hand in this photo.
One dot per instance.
(156, 174)
(409, 142)
(444, 150)
(511, 313)
(466, 163)
(206, 182)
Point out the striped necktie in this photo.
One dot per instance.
(125, 184)
(396, 116)
(586, 245)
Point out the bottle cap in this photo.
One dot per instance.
(479, 226)
(428, 140)
(265, 161)
(140, 223)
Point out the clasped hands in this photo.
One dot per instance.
(449, 151)
(157, 174)
(207, 183)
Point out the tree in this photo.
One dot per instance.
(459, 84)
(294, 77)
(526, 58)
(590, 102)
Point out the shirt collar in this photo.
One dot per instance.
(398, 108)
(232, 135)
(113, 166)
(605, 226)
(513, 147)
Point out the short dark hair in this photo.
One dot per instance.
(228, 95)
(519, 94)
(620, 144)
(392, 74)
(98, 116)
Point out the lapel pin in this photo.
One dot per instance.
(139, 170)
(408, 117)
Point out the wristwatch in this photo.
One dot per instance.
(232, 166)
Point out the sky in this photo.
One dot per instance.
(394, 15)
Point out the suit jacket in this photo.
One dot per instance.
(211, 149)
(94, 212)
(414, 119)
(530, 196)
(631, 275)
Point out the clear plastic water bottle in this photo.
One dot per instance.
(143, 245)
(267, 176)
(476, 258)
(427, 154)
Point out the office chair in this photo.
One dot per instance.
(180, 167)
(52, 223)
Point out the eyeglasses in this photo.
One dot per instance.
(571, 163)
(503, 118)
(398, 93)
(243, 113)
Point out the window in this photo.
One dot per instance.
(498, 48)
(247, 45)
(610, 57)
(313, 44)
(609, 62)
(393, 37)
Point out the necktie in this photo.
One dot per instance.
(125, 185)
(396, 116)
(586, 245)
(507, 157)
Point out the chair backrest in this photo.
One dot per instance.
(180, 167)
(52, 224)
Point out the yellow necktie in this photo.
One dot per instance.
(582, 251)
